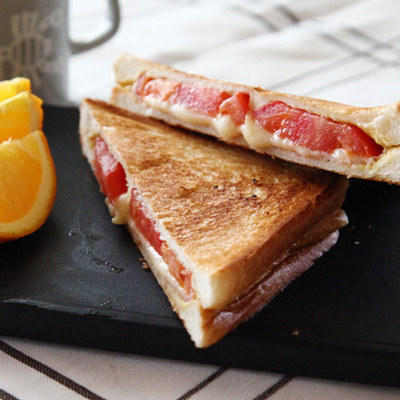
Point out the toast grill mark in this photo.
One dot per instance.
(271, 124)
(112, 180)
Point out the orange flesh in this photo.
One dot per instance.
(19, 116)
(27, 185)
(18, 197)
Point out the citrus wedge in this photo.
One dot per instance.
(20, 115)
(27, 185)
(13, 87)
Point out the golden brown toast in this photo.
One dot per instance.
(380, 125)
(229, 215)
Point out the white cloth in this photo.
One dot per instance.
(341, 50)
(38, 371)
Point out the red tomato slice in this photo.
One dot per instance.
(204, 100)
(183, 276)
(144, 223)
(313, 131)
(161, 88)
(201, 99)
(148, 229)
(357, 139)
(141, 83)
(236, 107)
(108, 171)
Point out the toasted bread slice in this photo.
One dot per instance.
(225, 224)
(353, 141)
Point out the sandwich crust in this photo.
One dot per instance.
(380, 123)
(206, 327)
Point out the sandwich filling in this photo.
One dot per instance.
(272, 124)
(112, 180)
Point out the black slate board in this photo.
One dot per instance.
(79, 280)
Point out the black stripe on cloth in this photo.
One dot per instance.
(289, 14)
(6, 396)
(333, 65)
(266, 394)
(351, 78)
(368, 54)
(361, 35)
(311, 72)
(334, 40)
(349, 49)
(47, 371)
(377, 45)
(215, 375)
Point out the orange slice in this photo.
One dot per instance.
(20, 115)
(27, 185)
(14, 86)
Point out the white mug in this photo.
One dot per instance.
(35, 43)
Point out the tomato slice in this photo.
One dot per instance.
(236, 107)
(183, 276)
(358, 140)
(160, 88)
(147, 227)
(201, 99)
(204, 100)
(108, 171)
(313, 131)
(141, 84)
(144, 223)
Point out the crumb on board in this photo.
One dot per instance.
(296, 332)
(144, 263)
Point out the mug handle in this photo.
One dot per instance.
(104, 32)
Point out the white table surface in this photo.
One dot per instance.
(342, 50)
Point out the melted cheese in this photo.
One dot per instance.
(120, 209)
(178, 110)
(225, 127)
(256, 136)
(192, 117)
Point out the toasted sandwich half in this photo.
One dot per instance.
(357, 142)
(223, 229)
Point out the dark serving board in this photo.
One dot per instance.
(79, 280)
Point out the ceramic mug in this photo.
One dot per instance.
(35, 43)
